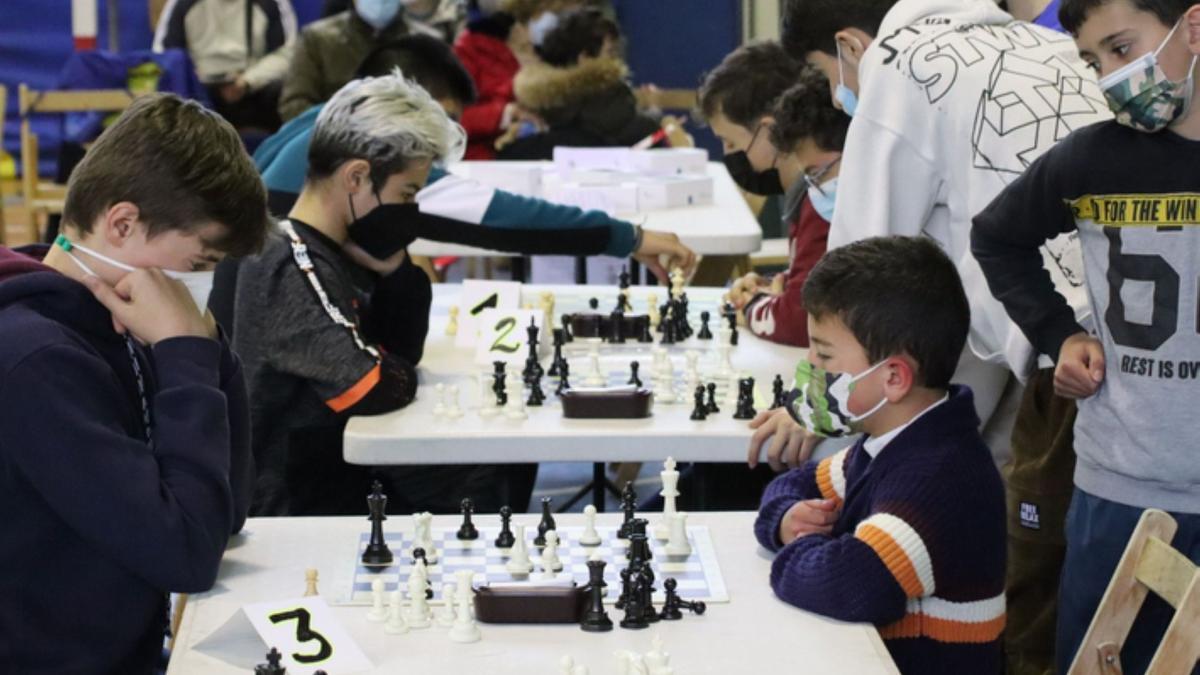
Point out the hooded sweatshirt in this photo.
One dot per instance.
(100, 523)
(956, 100)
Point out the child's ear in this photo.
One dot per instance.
(902, 375)
(1191, 20)
(119, 224)
(355, 175)
(854, 43)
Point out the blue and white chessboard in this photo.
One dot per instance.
(699, 575)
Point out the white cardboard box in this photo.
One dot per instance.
(664, 162)
(670, 192)
(613, 199)
(516, 177)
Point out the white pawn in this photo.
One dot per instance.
(515, 409)
(595, 378)
(519, 562)
(551, 565)
(731, 391)
(670, 482)
(465, 589)
(417, 614)
(453, 410)
(590, 536)
(445, 617)
(678, 544)
(377, 613)
(464, 629)
(452, 324)
(395, 621)
(439, 408)
(487, 398)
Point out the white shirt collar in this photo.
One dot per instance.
(875, 444)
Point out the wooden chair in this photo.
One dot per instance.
(44, 198)
(1148, 564)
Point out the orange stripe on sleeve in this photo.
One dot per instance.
(355, 393)
(893, 556)
(944, 630)
(825, 480)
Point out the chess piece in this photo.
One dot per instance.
(377, 554)
(417, 613)
(445, 618)
(558, 357)
(595, 618)
(487, 401)
(465, 586)
(645, 336)
(779, 398)
(465, 629)
(310, 583)
(272, 666)
(377, 613)
(564, 373)
(566, 328)
(467, 531)
(652, 311)
(423, 536)
(452, 324)
(536, 396)
(551, 565)
(635, 608)
(515, 410)
(593, 303)
(705, 332)
(595, 377)
(505, 539)
(745, 406)
(453, 410)
(439, 408)
(657, 661)
(499, 383)
(726, 368)
(633, 375)
(700, 411)
(674, 603)
(395, 619)
(678, 545)
(547, 523)
(670, 491)
(733, 337)
(589, 537)
(711, 406)
(629, 507)
(617, 328)
(519, 562)
(639, 543)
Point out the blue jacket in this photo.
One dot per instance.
(100, 524)
(283, 161)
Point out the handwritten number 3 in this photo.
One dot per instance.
(305, 633)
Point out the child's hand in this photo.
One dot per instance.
(744, 289)
(811, 516)
(1080, 367)
(659, 245)
(381, 267)
(792, 444)
(151, 307)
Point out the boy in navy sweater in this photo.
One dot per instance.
(904, 529)
(124, 427)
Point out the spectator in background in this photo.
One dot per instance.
(487, 49)
(445, 17)
(228, 42)
(329, 52)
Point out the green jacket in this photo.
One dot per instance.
(328, 54)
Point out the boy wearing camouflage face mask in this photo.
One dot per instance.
(1131, 191)
(904, 529)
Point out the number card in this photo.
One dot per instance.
(504, 336)
(478, 296)
(307, 635)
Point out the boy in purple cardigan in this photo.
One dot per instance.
(905, 529)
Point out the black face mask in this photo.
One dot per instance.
(757, 182)
(385, 230)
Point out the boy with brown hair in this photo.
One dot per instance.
(124, 436)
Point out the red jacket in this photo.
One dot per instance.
(492, 65)
(782, 318)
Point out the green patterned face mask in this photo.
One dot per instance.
(822, 400)
(1143, 97)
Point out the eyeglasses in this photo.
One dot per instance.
(813, 179)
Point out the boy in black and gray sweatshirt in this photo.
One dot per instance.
(124, 426)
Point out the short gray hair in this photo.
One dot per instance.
(388, 121)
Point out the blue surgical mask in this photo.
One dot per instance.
(378, 13)
(824, 198)
(845, 95)
(540, 27)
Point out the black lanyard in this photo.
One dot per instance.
(141, 386)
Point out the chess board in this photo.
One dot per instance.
(699, 575)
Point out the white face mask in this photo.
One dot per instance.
(199, 284)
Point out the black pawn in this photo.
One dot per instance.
(377, 554)
(536, 395)
(700, 412)
(647, 589)
(745, 402)
(629, 507)
(558, 343)
(639, 544)
(670, 610)
(564, 372)
(626, 587)
(712, 399)
(733, 336)
(779, 399)
(705, 333)
(645, 336)
(593, 303)
(595, 619)
(547, 523)
(272, 666)
(633, 374)
(467, 531)
(505, 539)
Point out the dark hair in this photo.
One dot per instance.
(579, 32)
(804, 111)
(747, 81)
(1073, 13)
(897, 295)
(426, 59)
(182, 165)
(809, 25)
